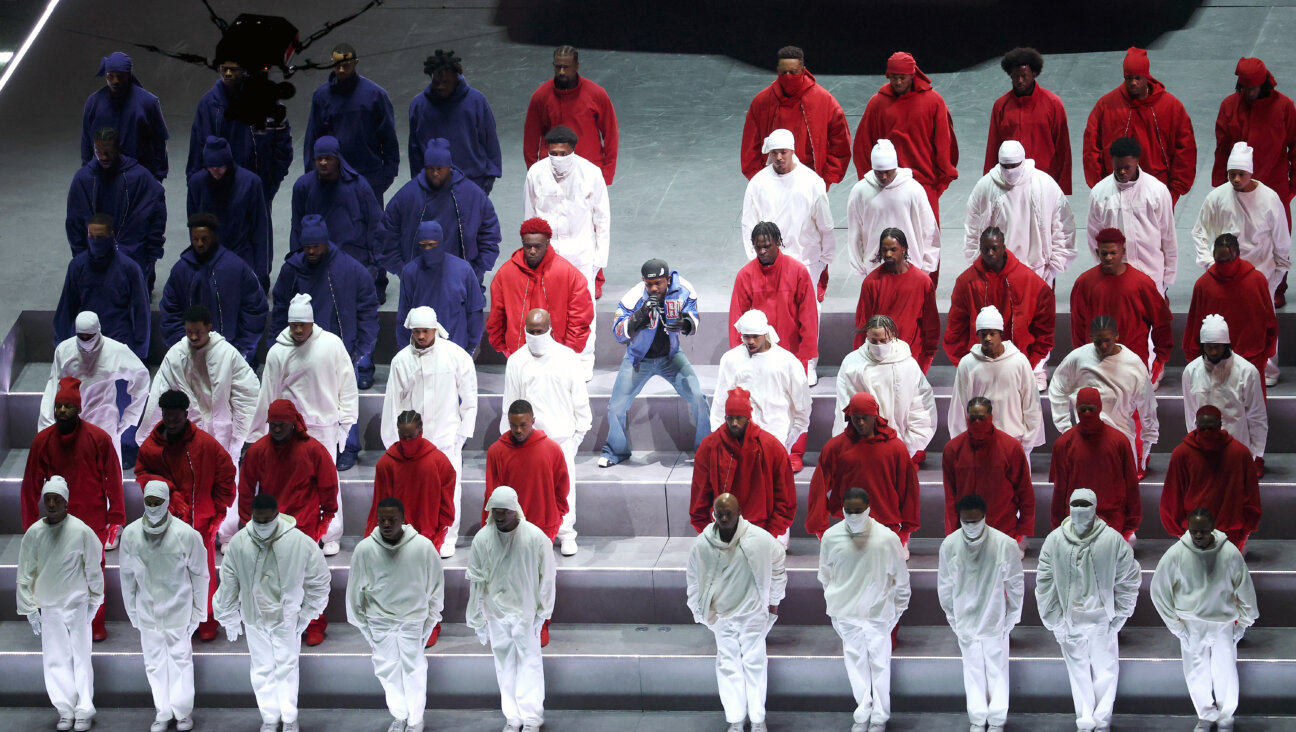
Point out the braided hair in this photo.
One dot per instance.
(442, 61)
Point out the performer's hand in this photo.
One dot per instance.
(773, 609)
(1239, 630)
(35, 620)
(232, 632)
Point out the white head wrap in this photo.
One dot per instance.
(158, 489)
(754, 322)
(990, 319)
(884, 156)
(1214, 329)
(1011, 152)
(1240, 157)
(506, 498)
(779, 140)
(156, 518)
(87, 322)
(57, 486)
(1083, 493)
(424, 317)
(300, 310)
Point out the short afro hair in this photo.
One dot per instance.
(1022, 56)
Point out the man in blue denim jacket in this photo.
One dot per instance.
(651, 317)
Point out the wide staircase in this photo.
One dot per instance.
(621, 636)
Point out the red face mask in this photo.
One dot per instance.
(1212, 440)
(1230, 268)
(1090, 423)
(793, 84)
(981, 430)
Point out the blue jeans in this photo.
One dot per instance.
(630, 381)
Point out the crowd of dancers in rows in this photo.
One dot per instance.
(248, 464)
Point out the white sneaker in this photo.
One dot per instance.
(447, 549)
(1271, 380)
(184, 724)
(269, 727)
(736, 727)
(291, 727)
(859, 727)
(397, 726)
(533, 727)
(415, 727)
(159, 725)
(877, 727)
(604, 461)
(568, 547)
(64, 724)
(82, 725)
(512, 727)
(813, 378)
(330, 548)
(760, 726)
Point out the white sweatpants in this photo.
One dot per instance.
(332, 438)
(65, 654)
(275, 654)
(1271, 366)
(1210, 668)
(742, 667)
(229, 526)
(985, 679)
(568, 527)
(519, 668)
(455, 456)
(1092, 657)
(168, 664)
(401, 667)
(867, 652)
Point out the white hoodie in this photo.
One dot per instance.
(164, 578)
(440, 383)
(905, 398)
(222, 398)
(401, 582)
(58, 567)
(555, 387)
(1009, 383)
(576, 208)
(980, 583)
(1099, 566)
(752, 562)
(1258, 218)
(1035, 216)
(1123, 383)
(272, 582)
(798, 203)
(511, 574)
(99, 370)
(902, 205)
(1233, 385)
(864, 576)
(317, 377)
(1203, 584)
(1143, 211)
(780, 392)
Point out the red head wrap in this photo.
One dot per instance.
(1110, 235)
(901, 63)
(1210, 410)
(739, 403)
(1136, 63)
(1090, 397)
(69, 391)
(1252, 72)
(282, 410)
(862, 403)
(536, 225)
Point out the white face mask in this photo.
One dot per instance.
(562, 164)
(879, 351)
(155, 518)
(974, 529)
(88, 345)
(1014, 176)
(266, 530)
(538, 345)
(1082, 517)
(855, 522)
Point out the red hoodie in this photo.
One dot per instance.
(1242, 297)
(1269, 126)
(1038, 121)
(1220, 477)
(537, 470)
(422, 478)
(587, 110)
(910, 300)
(816, 122)
(299, 473)
(1105, 465)
(784, 292)
(1132, 298)
(1160, 124)
(880, 465)
(555, 285)
(998, 472)
(87, 461)
(920, 126)
(756, 471)
(1023, 298)
(199, 471)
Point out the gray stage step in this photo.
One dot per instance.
(672, 667)
(643, 581)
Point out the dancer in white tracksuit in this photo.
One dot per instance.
(99, 362)
(736, 579)
(395, 593)
(546, 374)
(980, 585)
(777, 381)
(568, 191)
(997, 370)
(1204, 594)
(222, 390)
(1086, 587)
(273, 582)
(866, 590)
(435, 377)
(311, 367)
(164, 587)
(60, 587)
(510, 596)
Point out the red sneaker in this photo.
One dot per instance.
(598, 284)
(432, 639)
(207, 630)
(544, 634)
(97, 629)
